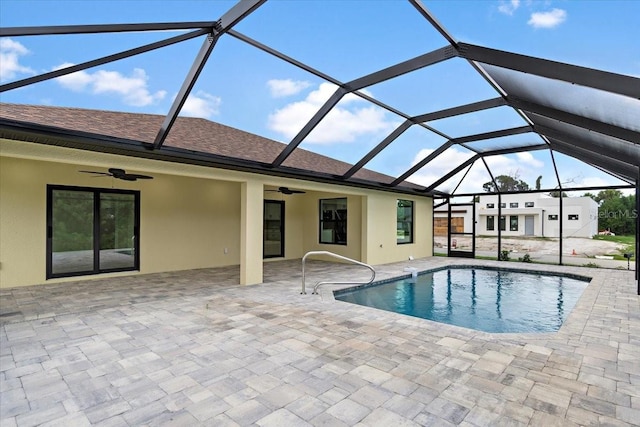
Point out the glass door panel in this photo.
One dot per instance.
(71, 232)
(273, 243)
(117, 231)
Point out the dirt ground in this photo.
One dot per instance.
(538, 246)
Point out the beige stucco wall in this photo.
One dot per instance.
(191, 216)
(188, 223)
(185, 223)
(380, 242)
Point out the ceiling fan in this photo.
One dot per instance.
(120, 174)
(287, 190)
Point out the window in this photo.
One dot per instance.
(91, 231)
(529, 204)
(490, 205)
(513, 223)
(502, 223)
(490, 223)
(552, 217)
(573, 217)
(333, 221)
(404, 228)
(503, 205)
(513, 205)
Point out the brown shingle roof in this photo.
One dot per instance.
(187, 132)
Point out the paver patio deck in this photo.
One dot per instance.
(195, 348)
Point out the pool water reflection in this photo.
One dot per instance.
(483, 299)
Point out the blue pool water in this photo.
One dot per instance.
(484, 299)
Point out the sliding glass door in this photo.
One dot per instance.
(91, 230)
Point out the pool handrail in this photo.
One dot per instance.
(344, 258)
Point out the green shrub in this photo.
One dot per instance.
(504, 255)
(525, 258)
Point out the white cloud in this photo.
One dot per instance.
(440, 166)
(76, 82)
(524, 165)
(201, 104)
(286, 87)
(508, 7)
(550, 19)
(10, 53)
(527, 159)
(341, 124)
(592, 181)
(132, 89)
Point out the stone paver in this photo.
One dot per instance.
(195, 348)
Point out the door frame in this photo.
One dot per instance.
(95, 251)
(532, 221)
(458, 253)
(264, 228)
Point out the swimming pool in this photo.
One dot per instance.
(490, 300)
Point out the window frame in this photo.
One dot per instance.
(529, 204)
(552, 217)
(502, 223)
(514, 205)
(97, 192)
(511, 222)
(493, 223)
(573, 217)
(322, 221)
(490, 206)
(404, 222)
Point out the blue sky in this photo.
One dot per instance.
(248, 89)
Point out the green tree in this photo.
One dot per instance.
(506, 183)
(617, 212)
(607, 195)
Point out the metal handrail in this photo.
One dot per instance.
(344, 258)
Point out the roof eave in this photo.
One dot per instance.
(48, 135)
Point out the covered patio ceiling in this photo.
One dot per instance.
(590, 115)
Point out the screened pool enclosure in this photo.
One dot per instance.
(564, 111)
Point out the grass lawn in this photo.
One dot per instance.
(629, 243)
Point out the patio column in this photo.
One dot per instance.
(251, 213)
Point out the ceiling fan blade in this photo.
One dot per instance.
(287, 190)
(137, 176)
(119, 174)
(97, 173)
(116, 171)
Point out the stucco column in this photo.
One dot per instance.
(364, 244)
(251, 213)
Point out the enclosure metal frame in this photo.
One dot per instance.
(617, 151)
